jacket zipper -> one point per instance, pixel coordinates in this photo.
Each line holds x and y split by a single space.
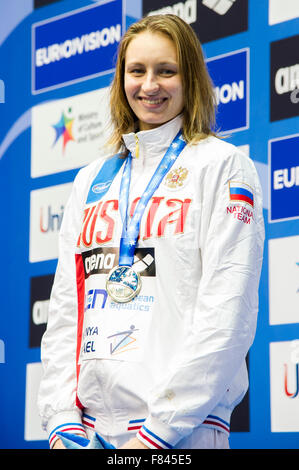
137 146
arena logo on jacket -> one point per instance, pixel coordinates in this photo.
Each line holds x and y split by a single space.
241 198
102 260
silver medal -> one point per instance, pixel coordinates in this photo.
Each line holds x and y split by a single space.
123 284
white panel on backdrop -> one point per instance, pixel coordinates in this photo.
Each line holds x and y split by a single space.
284 280
262 171
285 10
46 213
2 352
69 133
284 366
33 429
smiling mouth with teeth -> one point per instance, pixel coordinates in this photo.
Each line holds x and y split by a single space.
156 101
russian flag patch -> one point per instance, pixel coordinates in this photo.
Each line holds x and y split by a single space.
240 192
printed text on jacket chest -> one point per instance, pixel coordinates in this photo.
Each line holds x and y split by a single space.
162 215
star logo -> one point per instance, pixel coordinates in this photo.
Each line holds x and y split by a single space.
63 129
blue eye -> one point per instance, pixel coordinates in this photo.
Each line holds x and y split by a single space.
136 70
167 72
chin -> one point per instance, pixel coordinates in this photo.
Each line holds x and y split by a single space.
146 124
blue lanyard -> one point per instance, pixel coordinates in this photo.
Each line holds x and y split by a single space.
130 230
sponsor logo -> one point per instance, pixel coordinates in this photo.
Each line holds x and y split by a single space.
101 187
40 291
284 385
90 332
284 178
123 341
229 92
282 11
230 75
68 133
95 298
63 129
40 312
186 10
102 260
50 221
284 97
283 280
286 79
295 372
219 6
295 96
78 45
46 214
211 19
75 46
142 303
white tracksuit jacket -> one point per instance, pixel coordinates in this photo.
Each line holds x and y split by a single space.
172 360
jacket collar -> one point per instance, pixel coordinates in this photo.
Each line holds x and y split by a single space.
153 142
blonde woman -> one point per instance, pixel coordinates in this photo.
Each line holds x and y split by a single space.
155 299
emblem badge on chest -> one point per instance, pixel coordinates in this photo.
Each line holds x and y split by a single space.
176 178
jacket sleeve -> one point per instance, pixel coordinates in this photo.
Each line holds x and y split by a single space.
224 321
57 392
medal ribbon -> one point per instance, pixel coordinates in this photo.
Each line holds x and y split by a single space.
131 228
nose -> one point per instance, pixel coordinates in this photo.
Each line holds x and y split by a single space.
150 84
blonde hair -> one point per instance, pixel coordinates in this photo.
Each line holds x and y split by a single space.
199 99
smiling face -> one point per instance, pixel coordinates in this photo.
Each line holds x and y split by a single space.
152 79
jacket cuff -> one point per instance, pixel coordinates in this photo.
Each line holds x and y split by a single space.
157 435
66 421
